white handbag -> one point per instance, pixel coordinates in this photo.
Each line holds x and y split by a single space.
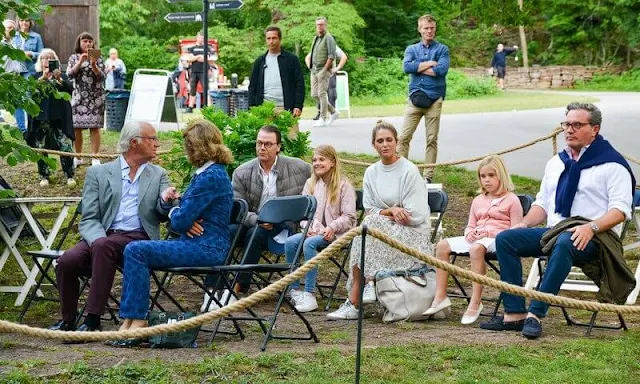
405 295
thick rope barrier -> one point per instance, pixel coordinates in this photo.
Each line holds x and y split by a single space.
278 286
552 135
83 154
631 159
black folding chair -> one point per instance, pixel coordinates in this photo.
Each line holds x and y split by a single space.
335 259
195 275
438 202
490 258
50 256
276 211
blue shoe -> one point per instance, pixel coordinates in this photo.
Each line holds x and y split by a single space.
532 328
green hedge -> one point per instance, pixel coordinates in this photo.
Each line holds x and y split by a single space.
626 81
383 81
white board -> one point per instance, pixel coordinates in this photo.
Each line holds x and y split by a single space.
150 92
342 92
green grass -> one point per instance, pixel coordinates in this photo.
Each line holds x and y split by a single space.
626 81
504 101
577 361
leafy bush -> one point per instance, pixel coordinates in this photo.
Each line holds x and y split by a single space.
142 52
626 81
461 86
240 137
384 81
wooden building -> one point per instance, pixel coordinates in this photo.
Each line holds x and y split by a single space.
65 21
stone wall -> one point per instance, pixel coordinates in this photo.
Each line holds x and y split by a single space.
544 77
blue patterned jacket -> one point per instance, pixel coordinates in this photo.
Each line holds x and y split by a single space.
208 197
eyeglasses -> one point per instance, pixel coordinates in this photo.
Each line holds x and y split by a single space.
152 138
265 144
575 125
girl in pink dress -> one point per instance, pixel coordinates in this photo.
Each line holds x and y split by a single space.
495 209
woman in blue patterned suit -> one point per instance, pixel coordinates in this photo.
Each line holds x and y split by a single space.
202 219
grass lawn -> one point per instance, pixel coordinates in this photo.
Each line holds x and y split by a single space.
393 353
504 101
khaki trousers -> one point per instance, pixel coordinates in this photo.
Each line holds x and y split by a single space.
319 87
412 116
295 128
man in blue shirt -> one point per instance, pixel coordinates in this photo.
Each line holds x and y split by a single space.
427 63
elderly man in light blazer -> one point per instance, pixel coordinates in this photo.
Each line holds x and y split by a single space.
122 201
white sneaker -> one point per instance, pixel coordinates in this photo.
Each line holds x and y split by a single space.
306 302
346 312
44 182
95 162
77 162
71 182
333 117
369 294
226 295
320 123
212 306
294 294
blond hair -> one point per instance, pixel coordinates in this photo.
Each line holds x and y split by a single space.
427 19
496 162
44 53
335 175
203 142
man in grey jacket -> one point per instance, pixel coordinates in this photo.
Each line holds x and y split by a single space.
257 181
122 201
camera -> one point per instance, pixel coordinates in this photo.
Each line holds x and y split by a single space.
53 65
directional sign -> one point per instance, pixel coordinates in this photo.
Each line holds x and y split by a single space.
226 5
183 17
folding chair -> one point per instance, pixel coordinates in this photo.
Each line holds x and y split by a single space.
276 211
238 213
50 257
438 202
490 258
345 251
582 283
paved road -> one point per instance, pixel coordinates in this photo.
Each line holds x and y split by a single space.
474 134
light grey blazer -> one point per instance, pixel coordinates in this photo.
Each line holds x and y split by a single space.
101 199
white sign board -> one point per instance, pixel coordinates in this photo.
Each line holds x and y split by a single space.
342 92
149 93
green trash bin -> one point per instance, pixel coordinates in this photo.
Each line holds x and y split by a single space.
116 104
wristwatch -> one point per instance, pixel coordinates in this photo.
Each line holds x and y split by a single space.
594 227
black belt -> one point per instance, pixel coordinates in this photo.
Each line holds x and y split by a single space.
112 231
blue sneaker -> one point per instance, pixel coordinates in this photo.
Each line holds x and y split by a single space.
532 328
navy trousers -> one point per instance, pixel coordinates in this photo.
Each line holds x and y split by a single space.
513 244
142 256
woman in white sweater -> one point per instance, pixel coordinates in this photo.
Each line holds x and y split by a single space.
396 202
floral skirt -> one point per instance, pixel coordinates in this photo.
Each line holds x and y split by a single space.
381 256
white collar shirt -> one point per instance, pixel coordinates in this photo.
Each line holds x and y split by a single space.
269 186
600 189
127 218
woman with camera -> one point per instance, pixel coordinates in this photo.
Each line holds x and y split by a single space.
86 68
53 127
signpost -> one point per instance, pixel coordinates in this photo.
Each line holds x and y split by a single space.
186 17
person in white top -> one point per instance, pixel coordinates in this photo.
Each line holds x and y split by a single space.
116 71
588 178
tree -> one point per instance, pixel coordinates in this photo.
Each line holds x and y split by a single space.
17 92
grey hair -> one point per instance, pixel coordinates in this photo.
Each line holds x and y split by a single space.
321 18
595 116
128 132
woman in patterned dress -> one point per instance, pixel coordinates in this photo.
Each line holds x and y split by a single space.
87 101
396 202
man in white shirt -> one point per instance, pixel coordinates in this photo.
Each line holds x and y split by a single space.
588 178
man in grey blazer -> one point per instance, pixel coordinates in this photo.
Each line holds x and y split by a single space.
269 175
122 201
